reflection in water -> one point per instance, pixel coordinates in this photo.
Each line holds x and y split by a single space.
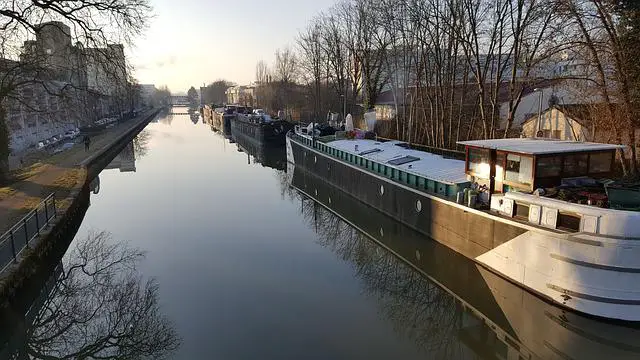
94 185
141 143
451 307
125 161
274 157
96 306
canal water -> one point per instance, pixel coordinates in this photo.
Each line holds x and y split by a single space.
248 258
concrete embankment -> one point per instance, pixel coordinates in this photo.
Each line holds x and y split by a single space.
23 281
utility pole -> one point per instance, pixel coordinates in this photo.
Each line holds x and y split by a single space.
539 131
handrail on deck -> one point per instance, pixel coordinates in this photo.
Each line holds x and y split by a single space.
18 237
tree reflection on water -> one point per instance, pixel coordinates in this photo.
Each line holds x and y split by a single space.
99 307
418 308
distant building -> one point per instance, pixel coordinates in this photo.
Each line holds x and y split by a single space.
562 122
241 94
76 86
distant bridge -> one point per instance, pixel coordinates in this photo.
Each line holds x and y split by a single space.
179 100
182 113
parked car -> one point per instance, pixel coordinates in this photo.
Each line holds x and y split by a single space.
64 147
71 134
41 145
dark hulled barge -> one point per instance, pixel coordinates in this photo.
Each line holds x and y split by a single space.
261 128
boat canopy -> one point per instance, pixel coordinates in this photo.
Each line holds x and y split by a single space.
536 146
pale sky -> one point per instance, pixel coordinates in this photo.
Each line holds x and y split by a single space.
191 42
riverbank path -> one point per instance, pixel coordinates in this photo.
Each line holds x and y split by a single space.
44 173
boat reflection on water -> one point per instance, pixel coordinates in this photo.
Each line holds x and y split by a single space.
274 157
449 305
95 305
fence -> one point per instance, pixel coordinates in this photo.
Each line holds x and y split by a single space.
24 231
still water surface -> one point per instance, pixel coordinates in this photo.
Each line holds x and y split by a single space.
262 261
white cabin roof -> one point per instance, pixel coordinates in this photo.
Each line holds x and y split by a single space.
431 166
539 145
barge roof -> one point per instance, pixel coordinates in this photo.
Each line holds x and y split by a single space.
536 146
428 165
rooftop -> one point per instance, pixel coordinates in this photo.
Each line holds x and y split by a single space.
431 166
539 145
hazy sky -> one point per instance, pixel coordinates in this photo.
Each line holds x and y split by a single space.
191 42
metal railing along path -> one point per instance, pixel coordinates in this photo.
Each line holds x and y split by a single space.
24 231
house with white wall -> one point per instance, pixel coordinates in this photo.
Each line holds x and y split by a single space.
562 122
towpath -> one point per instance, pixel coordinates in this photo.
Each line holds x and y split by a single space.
44 173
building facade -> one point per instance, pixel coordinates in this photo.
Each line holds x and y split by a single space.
559 122
68 86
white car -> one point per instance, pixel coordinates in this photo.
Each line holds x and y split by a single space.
70 134
258 111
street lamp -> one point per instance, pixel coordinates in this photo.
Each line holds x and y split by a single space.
538 132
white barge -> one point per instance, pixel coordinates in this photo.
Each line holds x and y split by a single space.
566 244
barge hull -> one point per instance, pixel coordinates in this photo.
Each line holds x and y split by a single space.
597 277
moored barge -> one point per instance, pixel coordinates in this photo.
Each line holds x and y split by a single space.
582 255
261 128
499 315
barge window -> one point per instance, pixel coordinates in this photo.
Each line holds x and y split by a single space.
568 222
478 162
548 166
421 182
519 169
522 211
500 163
600 163
575 164
401 175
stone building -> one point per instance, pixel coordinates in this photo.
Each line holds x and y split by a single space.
67 86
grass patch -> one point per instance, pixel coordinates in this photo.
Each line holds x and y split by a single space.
69 179
6 192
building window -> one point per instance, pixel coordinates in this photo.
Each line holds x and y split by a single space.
519 169
600 163
478 162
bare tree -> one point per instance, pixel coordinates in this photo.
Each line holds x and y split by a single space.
91 27
285 67
262 72
312 61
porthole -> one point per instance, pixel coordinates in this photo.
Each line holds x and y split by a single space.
316 192
315 159
418 205
381 189
328 167
418 255
329 199
381 232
